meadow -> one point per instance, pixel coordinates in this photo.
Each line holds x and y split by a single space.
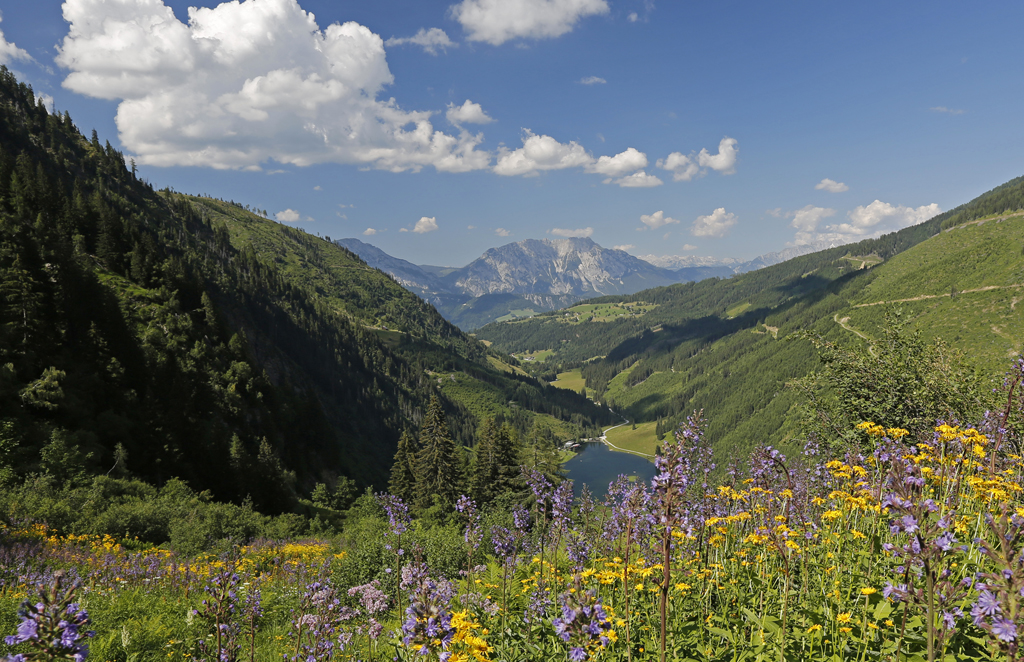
571 381
900 548
637 438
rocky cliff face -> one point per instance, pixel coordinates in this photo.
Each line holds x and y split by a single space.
558 268
535 274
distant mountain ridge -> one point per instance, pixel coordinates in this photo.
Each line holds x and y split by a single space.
536 275
739 348
528 276
734 265
545 271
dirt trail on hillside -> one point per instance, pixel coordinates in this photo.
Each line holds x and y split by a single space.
843 323
922 297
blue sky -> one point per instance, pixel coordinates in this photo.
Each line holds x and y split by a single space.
750 126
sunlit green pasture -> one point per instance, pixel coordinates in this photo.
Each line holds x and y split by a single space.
641 440
603 312
571 380
541 355
520 313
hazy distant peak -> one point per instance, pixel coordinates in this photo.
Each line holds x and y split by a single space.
682 261
676 262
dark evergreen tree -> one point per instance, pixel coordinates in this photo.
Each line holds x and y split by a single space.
484 469
403 471
437 463
507 453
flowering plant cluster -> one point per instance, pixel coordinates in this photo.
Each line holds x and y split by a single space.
899 549
54 627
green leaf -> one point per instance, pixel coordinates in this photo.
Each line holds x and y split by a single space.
725 634
882 610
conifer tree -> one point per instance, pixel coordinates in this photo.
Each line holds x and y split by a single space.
484 469
403 471
437 466
506 460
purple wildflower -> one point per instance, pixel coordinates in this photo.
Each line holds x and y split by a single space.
54 626
1004 629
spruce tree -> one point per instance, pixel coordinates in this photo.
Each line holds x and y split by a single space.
506 461
484 469
403 471
437 466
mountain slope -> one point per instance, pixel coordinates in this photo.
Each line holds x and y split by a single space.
726 346
549 271
408 275
165 335
525 277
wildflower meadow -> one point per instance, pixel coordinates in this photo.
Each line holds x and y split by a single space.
897 548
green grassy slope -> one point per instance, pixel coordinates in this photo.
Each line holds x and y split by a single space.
410 327
726 345
964 285
338 277
199 340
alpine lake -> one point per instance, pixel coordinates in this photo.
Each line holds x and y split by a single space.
595 465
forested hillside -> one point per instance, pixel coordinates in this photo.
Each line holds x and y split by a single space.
157 335
731 346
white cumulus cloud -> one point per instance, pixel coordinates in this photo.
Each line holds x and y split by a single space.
639 180
807 218
244 83
467 113
880 217
291 216
715 224
684 168
831 186
724 161
497 21
369 232
593 80
862 222
9 51
431 40
540 153
689 247
622 163
425 224
579 232
657 220
502 232
624 247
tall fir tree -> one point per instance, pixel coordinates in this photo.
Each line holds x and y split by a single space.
403 471
507 473
484 469
437 465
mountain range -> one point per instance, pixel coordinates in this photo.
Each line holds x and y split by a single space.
743 349
677 262
156 335
523 278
